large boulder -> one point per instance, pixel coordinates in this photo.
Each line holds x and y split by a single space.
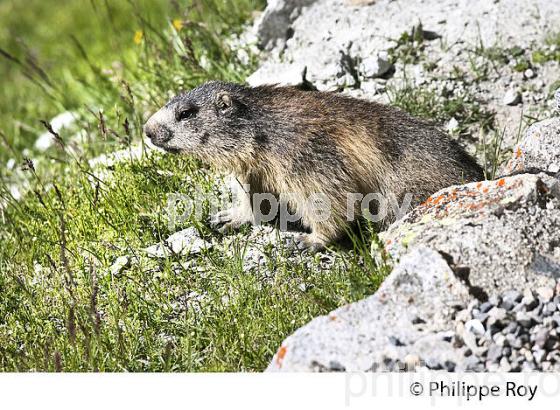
425 316
496 234
406 321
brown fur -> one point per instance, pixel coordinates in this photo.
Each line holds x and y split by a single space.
284 140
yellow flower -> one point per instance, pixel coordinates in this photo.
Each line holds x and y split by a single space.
138 36
178 24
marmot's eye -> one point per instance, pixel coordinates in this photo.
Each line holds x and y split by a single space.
186 114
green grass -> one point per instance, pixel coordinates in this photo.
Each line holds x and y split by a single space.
427 104
60 299
61 308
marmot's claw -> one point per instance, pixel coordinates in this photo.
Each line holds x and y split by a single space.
309 243
227 220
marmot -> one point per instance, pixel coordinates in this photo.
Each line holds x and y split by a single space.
284 140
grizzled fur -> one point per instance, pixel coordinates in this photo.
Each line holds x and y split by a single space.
285 140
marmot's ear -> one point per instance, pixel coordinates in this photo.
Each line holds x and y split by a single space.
223 101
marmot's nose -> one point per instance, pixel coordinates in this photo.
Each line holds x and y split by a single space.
149 131
157 133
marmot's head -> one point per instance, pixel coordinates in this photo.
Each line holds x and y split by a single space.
209 121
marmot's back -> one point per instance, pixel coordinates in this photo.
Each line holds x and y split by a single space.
383 148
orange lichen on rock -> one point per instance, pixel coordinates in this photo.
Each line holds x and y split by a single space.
427 201
280 355
501 182
438 199
475 207
518 153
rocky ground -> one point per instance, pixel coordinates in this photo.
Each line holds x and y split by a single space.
492 58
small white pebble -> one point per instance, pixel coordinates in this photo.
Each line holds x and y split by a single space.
512 97
529 73
452 125
475 326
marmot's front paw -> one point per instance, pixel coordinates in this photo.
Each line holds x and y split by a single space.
310 243
229 220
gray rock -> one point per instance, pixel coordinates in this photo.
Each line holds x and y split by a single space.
530 302
324 27
545 293
358 336
185 242
511 97
486 306
528 366
495 300
293 76
511 327
473 363
557 99
539 149
500 339
539 355
412 361
475 327
482 317
58 123
507 305
514 341
545 340
495 353
120 264
374 66
274 24
452 125
449 365
464 316
549 309
524 319
497 313
464 223
513 296
335 366
529 73
505 366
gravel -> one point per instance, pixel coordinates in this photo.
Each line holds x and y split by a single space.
528 341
